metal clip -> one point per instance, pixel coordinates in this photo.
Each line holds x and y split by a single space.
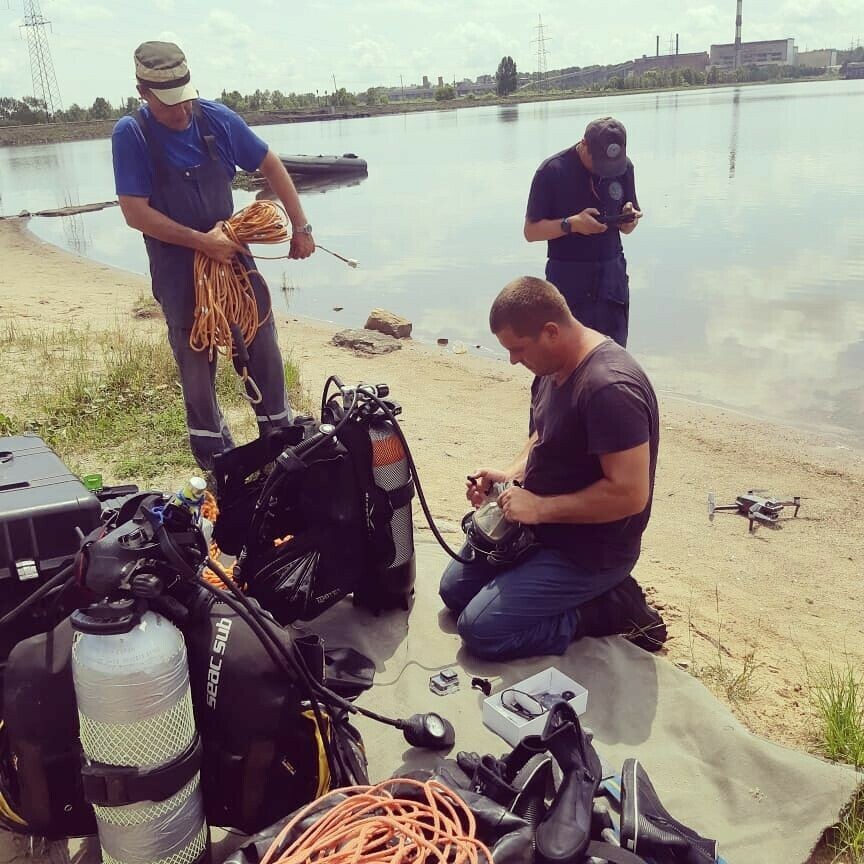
248 389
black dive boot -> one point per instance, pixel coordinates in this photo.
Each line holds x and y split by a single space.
623 610
565 832
648 829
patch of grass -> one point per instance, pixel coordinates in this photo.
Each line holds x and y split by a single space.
149 465
722 672
109 401
838 696
847 838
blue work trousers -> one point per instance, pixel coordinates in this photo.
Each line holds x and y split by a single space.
524 610
208 431
597 292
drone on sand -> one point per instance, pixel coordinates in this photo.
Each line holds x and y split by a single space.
757 507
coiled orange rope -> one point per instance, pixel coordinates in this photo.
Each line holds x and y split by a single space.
210 510
373 826
223 292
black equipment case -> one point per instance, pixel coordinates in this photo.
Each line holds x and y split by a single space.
41 505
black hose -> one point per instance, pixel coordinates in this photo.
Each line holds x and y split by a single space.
37 595
333 379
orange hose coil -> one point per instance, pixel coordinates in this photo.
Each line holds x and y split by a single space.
371 825
223 292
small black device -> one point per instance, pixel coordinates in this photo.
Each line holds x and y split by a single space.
529 706
616 219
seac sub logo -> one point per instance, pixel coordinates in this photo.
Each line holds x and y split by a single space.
220 644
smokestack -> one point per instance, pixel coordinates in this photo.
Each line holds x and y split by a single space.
676 43
658 45
738 36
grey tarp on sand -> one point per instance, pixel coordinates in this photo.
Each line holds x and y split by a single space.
763 802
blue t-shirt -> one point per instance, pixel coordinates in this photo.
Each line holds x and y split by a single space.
236 143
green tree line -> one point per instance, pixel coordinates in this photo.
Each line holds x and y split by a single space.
23 112
28 110
659 78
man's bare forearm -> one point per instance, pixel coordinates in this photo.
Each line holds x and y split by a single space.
281 183
142 217
603 501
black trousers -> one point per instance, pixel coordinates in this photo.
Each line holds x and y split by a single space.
597 292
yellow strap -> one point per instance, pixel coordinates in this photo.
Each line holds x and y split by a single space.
323 767
5 808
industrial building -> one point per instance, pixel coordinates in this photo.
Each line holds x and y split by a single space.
697 60
772 52
821 59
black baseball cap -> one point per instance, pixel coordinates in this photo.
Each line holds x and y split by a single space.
606 139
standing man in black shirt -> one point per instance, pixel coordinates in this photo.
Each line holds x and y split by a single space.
582 199
586 479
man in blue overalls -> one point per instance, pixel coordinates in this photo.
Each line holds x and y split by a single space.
174 160
578 200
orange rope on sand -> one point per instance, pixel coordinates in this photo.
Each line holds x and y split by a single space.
373 826
223 292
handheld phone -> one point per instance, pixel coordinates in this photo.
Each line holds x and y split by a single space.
617 219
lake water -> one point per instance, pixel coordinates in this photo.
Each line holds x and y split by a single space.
747 272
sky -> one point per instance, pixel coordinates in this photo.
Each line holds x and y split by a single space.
303 46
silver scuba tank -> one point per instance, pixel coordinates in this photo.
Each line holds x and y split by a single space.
142 753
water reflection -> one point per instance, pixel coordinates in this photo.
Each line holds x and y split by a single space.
733 144
74 227
313 183
508 113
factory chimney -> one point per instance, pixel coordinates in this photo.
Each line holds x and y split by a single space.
676 43
738 36
658 45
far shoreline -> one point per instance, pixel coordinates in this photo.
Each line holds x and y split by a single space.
91 130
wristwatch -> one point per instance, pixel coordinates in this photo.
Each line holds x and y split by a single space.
566 227
303 229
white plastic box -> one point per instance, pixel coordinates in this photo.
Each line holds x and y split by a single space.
513 728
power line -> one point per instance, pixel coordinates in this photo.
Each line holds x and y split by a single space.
41 64
542 54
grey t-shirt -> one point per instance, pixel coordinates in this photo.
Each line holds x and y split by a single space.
606 405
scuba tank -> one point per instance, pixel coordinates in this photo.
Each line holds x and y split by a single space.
365 420
142 754
393 573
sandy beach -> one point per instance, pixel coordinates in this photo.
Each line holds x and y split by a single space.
776 601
